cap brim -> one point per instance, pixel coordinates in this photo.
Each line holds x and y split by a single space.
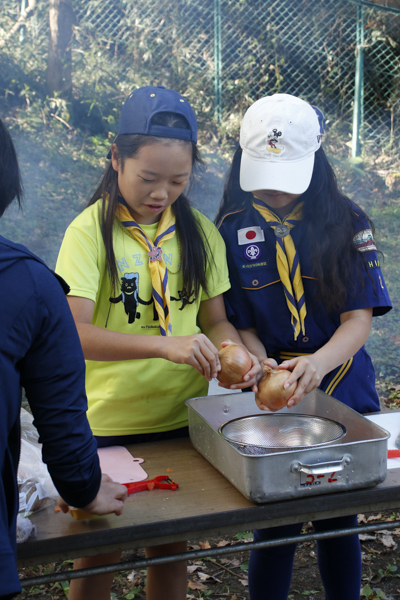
290 177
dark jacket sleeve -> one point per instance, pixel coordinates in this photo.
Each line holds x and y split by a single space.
53 375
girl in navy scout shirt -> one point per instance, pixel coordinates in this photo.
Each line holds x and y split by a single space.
306 283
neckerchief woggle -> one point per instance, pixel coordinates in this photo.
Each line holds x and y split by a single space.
157 266
287 260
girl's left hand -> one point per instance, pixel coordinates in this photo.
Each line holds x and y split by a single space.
308 371
250 379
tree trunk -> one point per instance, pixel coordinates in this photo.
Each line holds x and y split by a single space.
59 69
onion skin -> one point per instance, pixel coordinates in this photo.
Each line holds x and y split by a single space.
235 363
271 394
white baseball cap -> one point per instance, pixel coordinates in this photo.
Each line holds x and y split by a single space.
279 137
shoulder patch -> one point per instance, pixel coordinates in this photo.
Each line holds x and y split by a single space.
364 241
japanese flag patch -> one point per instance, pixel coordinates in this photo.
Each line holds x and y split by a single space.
250 235
364 241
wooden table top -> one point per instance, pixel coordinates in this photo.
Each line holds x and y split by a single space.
205 504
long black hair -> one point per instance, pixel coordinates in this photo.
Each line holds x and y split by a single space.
328 225
10 177
195 251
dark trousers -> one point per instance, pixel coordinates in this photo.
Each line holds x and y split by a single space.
339 562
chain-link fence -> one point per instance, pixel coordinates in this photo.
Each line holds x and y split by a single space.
342 55
226 53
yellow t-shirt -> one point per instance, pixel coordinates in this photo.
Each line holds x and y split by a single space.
144 395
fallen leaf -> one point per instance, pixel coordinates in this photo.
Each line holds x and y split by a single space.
375 517
365 536
365 557
362 519
193 568
196 585
223 543
205 545
204 577
244 582
193 546
235 562
234 597
388 541
384 532
131 576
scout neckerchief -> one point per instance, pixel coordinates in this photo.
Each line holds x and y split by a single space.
287 261
158 269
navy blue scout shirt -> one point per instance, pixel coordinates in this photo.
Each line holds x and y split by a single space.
40 350
256 299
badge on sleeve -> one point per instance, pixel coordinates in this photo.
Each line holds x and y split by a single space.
364 241
250 235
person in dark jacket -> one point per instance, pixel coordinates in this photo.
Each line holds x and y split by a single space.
40 351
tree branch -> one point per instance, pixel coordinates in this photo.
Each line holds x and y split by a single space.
28 12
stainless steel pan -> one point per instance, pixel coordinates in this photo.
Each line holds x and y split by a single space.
356 458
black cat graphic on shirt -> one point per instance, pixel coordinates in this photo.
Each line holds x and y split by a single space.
130 298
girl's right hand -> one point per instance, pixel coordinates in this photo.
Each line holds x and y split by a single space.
196 351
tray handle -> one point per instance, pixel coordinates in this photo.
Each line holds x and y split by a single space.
321 468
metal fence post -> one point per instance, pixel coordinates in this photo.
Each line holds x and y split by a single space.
217 61
358 107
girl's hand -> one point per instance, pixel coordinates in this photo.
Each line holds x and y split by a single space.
110 498
251 377
308 371
194 350
269 362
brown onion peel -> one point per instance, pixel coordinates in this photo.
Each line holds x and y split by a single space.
235 363
271 393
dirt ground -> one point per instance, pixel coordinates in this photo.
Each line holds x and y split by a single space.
226 577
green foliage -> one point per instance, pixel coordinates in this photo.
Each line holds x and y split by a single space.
372 593
64 586
244 535
133 593
245 566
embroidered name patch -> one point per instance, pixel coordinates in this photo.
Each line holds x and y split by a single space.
250 235
364 241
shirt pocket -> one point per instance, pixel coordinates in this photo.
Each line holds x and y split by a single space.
255 277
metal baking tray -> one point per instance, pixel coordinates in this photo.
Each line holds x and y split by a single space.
358 459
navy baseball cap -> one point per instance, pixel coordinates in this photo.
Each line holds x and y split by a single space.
145 102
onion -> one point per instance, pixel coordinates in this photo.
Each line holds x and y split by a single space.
235 363
271 393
